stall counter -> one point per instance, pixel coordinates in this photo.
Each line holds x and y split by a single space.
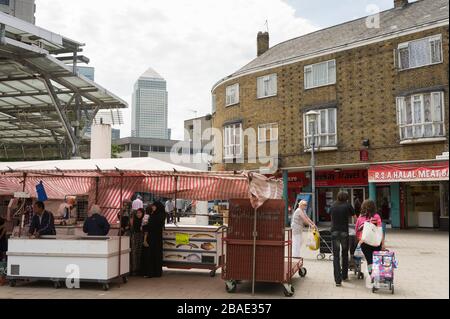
56 258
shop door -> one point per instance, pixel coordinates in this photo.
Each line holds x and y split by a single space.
358 197
384 202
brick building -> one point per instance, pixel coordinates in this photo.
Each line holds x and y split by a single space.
380 87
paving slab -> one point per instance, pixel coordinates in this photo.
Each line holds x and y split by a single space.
423 273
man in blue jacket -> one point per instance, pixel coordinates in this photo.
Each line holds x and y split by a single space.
96 224
43 222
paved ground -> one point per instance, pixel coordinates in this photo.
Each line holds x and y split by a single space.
423 273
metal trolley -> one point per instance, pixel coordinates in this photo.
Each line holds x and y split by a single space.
325 245
276 268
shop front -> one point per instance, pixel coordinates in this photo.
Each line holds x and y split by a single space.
418 193
296 184
328 184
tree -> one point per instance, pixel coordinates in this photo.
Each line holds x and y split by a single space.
116 150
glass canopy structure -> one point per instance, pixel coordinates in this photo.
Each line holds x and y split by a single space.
45 105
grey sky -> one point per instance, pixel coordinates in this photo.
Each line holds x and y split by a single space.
192 44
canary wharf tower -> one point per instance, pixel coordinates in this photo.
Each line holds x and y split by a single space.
149 106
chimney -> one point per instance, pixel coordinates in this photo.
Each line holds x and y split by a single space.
262 42
400 3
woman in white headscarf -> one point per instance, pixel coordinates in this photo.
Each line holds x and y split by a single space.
299 220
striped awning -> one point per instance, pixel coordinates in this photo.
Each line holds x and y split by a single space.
116 185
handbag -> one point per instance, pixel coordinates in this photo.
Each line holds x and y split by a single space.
41 194
312 241
316 241
358 252
372 235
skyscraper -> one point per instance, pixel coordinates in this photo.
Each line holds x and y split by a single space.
149 106
87 71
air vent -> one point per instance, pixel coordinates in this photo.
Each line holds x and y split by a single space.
15 270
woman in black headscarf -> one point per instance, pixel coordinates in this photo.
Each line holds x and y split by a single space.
153 240
137 238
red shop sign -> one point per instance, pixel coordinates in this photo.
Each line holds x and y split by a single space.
409 173
296 180
343 178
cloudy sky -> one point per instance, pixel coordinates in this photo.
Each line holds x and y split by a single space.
192 44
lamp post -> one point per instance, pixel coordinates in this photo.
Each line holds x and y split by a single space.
311 119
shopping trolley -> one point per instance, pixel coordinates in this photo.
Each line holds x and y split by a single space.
325 245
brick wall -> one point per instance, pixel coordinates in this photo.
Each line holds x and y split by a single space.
367 83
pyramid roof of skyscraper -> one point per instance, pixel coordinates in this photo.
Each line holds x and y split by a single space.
151 73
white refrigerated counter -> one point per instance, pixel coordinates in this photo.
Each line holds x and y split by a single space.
56 258
193 247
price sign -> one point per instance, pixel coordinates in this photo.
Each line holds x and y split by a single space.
182 239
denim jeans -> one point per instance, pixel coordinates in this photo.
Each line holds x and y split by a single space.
340 239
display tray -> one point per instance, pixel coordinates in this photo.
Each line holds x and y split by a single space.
193 236
189 257
209 246
185 265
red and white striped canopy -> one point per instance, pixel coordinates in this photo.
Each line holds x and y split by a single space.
120 179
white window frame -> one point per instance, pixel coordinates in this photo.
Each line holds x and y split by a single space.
401 120
233 146
318 135
229 100
311 67
406 45
262 134
260 88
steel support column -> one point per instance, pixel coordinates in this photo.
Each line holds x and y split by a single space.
62 115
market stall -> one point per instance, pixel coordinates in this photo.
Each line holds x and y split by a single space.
108 183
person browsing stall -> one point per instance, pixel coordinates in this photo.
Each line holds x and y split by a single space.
42 223
153 241
96 224
137 203
169 208
3 239
136 241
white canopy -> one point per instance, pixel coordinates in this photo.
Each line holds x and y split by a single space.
123 164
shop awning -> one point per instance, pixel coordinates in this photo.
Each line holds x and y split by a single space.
106 181
409 173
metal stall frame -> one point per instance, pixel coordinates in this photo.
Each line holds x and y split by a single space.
292 265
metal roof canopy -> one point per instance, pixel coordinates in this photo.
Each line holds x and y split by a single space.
41 98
